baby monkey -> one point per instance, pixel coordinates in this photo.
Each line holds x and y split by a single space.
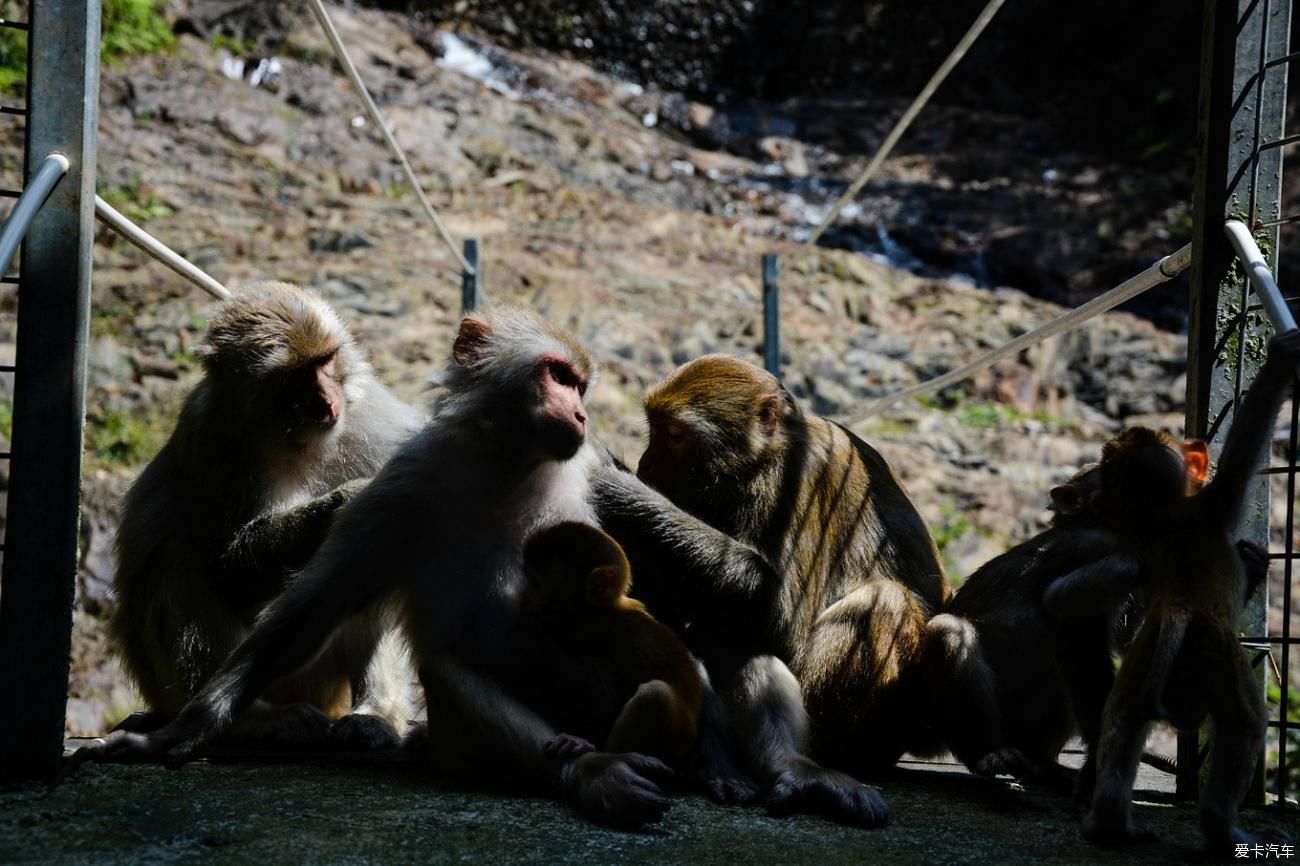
614 674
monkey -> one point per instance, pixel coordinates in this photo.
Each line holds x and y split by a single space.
1007 687
1185 663
810 616
1016 669
286 422
647 692
438 534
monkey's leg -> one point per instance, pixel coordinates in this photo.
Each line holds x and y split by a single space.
852 672
770 723
476 731
710 763
1133 701
963 688
1089 675
373 660
1239 718
653 722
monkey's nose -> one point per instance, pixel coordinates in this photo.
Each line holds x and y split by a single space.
580 416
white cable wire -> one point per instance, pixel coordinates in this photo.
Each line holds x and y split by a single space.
1162 271
377 119
908 116
158 250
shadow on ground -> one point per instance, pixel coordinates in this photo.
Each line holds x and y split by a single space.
318 812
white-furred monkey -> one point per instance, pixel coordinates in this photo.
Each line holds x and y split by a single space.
1186 662
268 445
628 682
439 532
817 592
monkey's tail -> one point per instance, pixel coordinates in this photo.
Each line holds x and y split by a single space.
1162 762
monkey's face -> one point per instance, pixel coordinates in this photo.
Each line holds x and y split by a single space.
559 416
309 399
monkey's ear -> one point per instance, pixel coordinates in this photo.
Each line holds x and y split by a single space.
1066 499
471 341
1196 454
769 410
604 586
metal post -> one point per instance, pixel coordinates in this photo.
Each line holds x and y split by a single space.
1233 178
771 316
40 563
471 281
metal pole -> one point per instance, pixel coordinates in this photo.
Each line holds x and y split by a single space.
470 280
40 563
771 316
1242 105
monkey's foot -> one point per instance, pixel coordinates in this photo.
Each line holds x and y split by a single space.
808 788
622 791
730 789
1006 762
1113 828
295 726
566 747
364 732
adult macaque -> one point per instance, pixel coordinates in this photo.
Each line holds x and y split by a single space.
1186 662
439 532
268 445
820 577
1008 684
630 684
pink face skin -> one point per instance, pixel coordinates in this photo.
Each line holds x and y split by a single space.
562 419
329 391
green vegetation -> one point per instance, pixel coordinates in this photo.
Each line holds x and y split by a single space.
128 27
133 27
136 200
235 46
123 438
7 418
951 527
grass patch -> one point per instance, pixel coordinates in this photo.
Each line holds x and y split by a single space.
127 28
137 201
131 27
123 439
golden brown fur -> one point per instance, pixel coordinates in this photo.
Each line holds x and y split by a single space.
578 579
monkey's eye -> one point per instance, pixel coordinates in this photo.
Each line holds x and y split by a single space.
675 433
563 374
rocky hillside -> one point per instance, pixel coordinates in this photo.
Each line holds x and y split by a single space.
635 216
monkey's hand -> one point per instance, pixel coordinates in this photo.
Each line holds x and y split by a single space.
563 748
624 791
1284 351
806 787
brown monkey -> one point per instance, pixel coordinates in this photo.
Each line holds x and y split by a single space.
439 532
649 694
821 588
1185 663
267 446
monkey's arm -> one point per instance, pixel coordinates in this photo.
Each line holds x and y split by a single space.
265 551
1098 587
704 568
1252 428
